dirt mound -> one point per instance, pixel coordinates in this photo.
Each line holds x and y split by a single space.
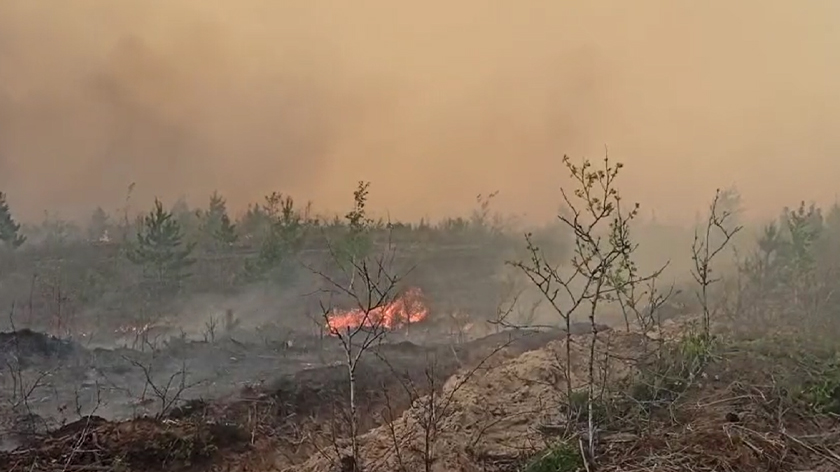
26 343
390 366
490 416
141 445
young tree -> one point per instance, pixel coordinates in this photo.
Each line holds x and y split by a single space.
709 241
283 231
187 218
161 251
357 243
253 223
600 269
368 282
9 229
216 229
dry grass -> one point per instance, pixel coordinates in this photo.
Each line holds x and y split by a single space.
739 427
765 405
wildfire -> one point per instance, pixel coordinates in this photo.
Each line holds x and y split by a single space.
405 310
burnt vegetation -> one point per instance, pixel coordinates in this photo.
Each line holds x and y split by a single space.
182 339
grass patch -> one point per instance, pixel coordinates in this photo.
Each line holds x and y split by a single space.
672 370
562 457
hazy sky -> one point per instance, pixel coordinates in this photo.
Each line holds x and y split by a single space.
432 101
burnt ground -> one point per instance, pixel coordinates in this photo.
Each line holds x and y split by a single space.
185 403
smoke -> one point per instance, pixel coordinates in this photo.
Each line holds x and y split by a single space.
434 101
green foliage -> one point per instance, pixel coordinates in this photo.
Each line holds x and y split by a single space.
187 219
578 406
674 368
9 229
824 396
161 251
806 369
253 223
694 351
282 228
598 258
563 457
357 218
357 242
821 388
600 270
215 227
804 229
786 251
784 271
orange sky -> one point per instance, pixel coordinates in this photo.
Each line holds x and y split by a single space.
432 101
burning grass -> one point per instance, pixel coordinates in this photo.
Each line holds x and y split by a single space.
407 309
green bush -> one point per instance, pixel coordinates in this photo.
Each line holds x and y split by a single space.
560 458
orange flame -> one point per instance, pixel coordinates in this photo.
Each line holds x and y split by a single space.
405 310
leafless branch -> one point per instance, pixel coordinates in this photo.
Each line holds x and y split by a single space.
704 251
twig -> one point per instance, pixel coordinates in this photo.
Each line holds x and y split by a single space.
583 455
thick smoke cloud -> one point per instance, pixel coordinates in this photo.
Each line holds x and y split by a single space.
432 101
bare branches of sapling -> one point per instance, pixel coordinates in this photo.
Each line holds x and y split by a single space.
168 392
509 306
600 269
709 241
210 329
368 283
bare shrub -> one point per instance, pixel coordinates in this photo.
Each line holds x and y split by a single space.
166 393
210 327
22 383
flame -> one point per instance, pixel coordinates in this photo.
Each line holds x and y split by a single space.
126 329
405 310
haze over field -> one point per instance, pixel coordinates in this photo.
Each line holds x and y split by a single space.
432 101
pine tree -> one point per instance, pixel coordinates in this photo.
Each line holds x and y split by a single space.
9 229
252 225
217 230
99 224
161 251
282 236
188 219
